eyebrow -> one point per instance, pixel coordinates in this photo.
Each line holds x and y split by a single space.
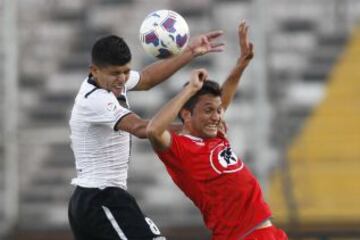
211 105
119 71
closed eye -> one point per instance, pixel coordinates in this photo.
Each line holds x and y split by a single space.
208 110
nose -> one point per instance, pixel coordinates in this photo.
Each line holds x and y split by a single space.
216 116
121 78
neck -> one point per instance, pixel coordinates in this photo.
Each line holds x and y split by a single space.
186 131
189 135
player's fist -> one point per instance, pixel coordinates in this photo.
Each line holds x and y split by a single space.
197 79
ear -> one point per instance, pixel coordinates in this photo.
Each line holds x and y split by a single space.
94 69
185 115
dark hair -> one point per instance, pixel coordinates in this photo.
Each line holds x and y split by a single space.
209 87
110 50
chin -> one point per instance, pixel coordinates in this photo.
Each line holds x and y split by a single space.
210 134
117 93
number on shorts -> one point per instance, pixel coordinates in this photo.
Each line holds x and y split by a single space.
152 226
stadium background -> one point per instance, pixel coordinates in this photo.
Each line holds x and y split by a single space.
295 119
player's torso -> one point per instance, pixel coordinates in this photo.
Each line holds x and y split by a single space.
209 159
101 153
220 184
212 173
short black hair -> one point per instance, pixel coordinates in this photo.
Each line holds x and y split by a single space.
209 87
109 51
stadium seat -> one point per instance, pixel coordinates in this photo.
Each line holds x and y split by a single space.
323 158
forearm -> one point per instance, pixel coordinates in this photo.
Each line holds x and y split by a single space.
159 71
175 127
141 130
231 83
133 124
162 120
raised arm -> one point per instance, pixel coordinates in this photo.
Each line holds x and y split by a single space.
157 132
136 126
159 71
231 83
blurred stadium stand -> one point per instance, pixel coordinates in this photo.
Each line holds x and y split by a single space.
313 89
2 180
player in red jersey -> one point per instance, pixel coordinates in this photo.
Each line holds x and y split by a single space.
200 159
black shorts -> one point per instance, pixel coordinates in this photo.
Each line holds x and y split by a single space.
109 214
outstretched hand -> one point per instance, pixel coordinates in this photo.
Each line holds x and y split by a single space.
205 43
246 47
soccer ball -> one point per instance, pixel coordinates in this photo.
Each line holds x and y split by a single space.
164 33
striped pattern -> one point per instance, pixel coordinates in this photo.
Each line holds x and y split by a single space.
113 222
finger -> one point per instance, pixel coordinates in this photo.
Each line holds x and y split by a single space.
205 40
250 53
243 35
206 74
202 72
246 36
201 75
247 27
251 46
241 26
214 34
216 45
246 30
243 31
217 49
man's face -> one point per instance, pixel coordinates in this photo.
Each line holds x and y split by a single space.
206 117
111 78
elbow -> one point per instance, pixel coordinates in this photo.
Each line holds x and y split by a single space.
141 135
152 132
139 131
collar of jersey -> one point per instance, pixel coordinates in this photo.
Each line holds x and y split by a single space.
92 81
198 139
122 97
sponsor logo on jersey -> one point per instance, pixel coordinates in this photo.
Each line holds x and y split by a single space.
224 160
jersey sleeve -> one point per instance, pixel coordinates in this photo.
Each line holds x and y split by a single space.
175 153
105 109
133 80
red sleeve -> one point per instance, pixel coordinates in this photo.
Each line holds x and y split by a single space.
174 155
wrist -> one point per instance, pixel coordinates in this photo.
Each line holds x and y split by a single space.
191 50
190 90
242 63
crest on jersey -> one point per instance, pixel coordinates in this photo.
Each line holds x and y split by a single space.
224 160
111 107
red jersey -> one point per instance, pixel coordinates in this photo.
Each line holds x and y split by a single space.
217 181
